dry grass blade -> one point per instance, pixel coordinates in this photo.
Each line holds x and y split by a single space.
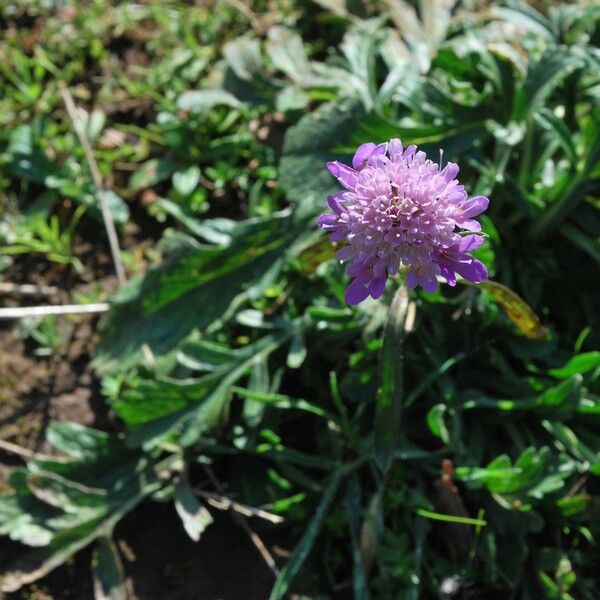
93 166
21 312
225 503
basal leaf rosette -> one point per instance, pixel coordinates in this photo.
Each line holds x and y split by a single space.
400 209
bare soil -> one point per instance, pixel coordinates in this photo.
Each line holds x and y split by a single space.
159 559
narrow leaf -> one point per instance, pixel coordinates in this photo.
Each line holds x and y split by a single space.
302 550
354 516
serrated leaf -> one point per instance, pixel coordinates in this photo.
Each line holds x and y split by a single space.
190 407
40 562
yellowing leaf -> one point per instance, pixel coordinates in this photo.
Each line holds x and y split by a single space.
311 257
517 310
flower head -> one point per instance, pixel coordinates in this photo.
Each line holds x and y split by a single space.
400 208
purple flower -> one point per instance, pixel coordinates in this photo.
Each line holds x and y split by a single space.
400 208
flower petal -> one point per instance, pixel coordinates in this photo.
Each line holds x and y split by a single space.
356 269
343 173
411 279
473 270
357 291
345 253
474 206
450 171
362 155
327 221
470 225
377 286
395 148
447 272
428 282
334 205
470 243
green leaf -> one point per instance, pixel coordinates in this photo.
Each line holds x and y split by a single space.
354 516
567 440
109 579
525 16
73 512
558 127
307 148
562 399
214 231
116 205
297 352
286 51
78 441
203 100
579 364
40 562
185 181
390 393
194 516
152 172
427 514
543 77
190 407
302 550
24 519
436 424
535 473
243 56
284 402
198 285
70 496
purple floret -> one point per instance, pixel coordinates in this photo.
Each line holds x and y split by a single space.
399 208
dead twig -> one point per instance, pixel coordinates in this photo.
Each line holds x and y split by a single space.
26 289
97 178
17 450
258 543
21 312
225 503
24 453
